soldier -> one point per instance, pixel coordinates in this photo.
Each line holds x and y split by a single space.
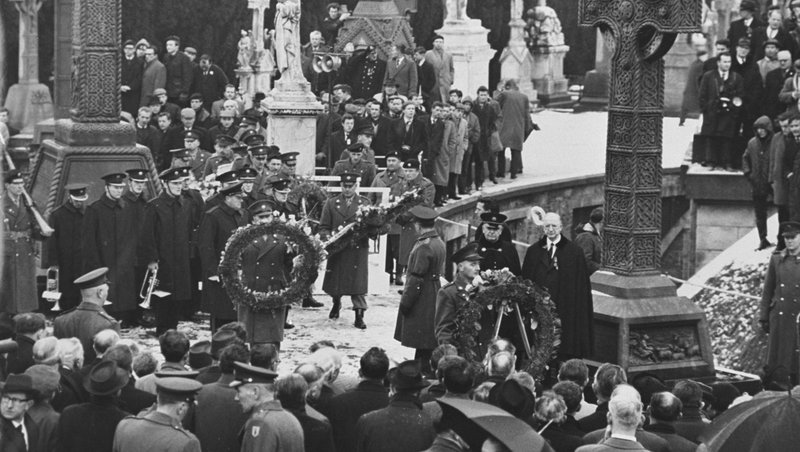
166 248
266 266
274 166
18 288
497 253
289 166
224 159
418 303
269 427
352 163
194 197
226 180
108 227
89 318
63 251
215 229
161 429
346 272
408 236
364 136
136 200
455 294
279 194
388 178
248 176
191 139
182 158
257 160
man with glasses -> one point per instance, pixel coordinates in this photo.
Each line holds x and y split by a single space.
18 430
560 266
89 318
773 83
154 75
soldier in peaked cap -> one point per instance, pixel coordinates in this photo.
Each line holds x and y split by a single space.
89 317
280 186
108 228
248 177
496 252
216 227
256 159
161 429
226 180
412 180
454 294
136 200
353 162
166 248
224 159
191 140
63 251
289 166
415 319
392 175
269 427
346 272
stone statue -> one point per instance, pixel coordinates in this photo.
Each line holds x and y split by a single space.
456 10
287 39
245 50
544 27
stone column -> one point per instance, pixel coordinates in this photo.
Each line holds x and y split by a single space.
292 107
466 40
516 61
548 49
28 101
93 141
263 66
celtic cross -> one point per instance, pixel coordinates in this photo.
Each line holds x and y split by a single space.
640 33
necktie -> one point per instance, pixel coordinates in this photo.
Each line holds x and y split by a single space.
408 125
550 250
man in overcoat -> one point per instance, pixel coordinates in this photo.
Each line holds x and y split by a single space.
560 266
408 133
516 125
442 142
166 248
63 251
415 319
180 72
442 62
781 165
401 71
131 69
496 252
780 304
108 228
216 228
482 152
346 272
393 174
719 90
413 180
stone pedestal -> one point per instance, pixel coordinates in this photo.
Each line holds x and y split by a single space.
642 324
676 71
292 122
467 41
28 103
517 63
548 76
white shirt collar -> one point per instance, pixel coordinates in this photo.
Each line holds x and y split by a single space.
625 437
553 242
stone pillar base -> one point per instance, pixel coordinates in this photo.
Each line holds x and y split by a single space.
292 124
548 75
28 103
516 63
641 324
467 42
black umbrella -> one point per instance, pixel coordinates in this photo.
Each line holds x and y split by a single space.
768 422
515 434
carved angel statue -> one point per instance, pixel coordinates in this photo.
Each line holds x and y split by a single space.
456 10
287 39
245 50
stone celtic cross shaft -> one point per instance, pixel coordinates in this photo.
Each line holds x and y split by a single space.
640 33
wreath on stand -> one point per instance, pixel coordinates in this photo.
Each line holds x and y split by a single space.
500 289
303 275
309 197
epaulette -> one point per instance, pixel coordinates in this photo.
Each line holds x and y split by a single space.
106 316
212 209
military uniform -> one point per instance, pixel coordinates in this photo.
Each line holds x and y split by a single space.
271 428
498 255
363 168
408 235
64 251
151 432
83 322
388 178
198 207
780 305
18 286
198 163
346 271
216 160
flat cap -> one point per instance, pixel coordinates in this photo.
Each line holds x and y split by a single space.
245 373
94 278
159 91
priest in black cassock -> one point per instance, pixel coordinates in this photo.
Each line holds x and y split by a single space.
560 266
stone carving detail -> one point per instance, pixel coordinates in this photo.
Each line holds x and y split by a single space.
543 27
456 10
636 100
656 345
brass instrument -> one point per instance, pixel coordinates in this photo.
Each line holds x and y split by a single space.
148 289
51 292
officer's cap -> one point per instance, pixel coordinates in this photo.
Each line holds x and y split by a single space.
181 153
77 191
191 135
355 147
790 228
411 164
171 174
493 220
115 178
349 178
180 387
251 138
13 175
137 175
262 206
94 278
228 177
289 156
423 213
279 183
247 174
468 253
232 190
259 149
392 154
245 373
224 140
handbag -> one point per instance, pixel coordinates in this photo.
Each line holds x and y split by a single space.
495 145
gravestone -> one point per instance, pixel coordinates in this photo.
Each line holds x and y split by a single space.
595 82
640 322
92 142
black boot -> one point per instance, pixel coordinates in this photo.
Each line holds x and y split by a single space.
310 302
337 304
287 325
359 323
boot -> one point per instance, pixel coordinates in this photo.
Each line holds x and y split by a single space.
359 323
398 277
337 304
287 325
310 302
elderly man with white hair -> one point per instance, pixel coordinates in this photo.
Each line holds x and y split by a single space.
624 418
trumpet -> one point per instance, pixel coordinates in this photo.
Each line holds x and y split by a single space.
148 286
51 292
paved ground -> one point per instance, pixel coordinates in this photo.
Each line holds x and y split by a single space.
568 145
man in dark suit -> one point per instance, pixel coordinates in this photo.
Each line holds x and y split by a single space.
381 126
318 80
426 75
607 377
291 391
131 72
63 251
663 411
28 328
179 72
773 83
719 90
743 27
400 70
745 65
17 428
773 30
210 81
408 133
340 140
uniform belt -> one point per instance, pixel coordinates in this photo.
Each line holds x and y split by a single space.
16 235
433 277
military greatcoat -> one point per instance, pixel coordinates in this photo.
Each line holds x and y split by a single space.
364 168
18 286
84 322
108 226
216 228
415 327
266 266
153 431
408 235
498 255
64 251
270 427
346 271
780 305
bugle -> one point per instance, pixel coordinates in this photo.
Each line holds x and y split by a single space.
148 286
51 292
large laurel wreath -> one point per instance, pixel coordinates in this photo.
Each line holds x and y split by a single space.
309 197
303 275
537 308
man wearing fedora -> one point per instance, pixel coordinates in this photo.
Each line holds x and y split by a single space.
17 429
269 427
89 427
161 428
403 425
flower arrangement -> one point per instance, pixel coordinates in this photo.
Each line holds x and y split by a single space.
304 273
493 291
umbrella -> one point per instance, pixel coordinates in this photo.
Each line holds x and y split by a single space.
768 422
515 434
